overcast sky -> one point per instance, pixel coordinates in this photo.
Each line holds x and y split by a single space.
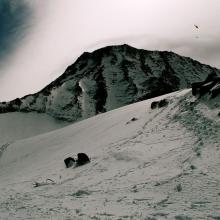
40 38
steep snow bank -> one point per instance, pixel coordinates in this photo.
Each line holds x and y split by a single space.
164 165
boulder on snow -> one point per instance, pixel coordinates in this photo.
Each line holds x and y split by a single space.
163 103
69 162
154 105
132 120
159 104
82 159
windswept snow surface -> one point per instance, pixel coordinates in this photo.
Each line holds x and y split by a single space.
164 165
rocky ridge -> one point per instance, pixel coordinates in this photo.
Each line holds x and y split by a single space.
109 78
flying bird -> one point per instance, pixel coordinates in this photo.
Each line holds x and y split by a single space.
196 26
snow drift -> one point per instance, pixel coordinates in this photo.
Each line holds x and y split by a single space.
163 165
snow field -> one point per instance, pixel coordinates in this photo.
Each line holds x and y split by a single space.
164 165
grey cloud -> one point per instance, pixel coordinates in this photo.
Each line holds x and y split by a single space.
14 15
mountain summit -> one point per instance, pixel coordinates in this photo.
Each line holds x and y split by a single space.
109 78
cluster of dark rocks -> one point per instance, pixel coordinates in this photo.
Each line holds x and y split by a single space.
82 159
159 104
211 86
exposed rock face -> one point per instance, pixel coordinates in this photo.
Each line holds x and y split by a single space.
109 78
209 86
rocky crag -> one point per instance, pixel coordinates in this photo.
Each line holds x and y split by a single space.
109 78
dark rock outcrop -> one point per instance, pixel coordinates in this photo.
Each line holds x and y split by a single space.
210 85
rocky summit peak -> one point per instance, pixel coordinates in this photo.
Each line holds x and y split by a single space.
109 78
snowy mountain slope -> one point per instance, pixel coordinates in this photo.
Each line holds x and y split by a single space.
18 125
164 165
109 78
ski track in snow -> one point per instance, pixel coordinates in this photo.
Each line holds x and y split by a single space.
168 169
